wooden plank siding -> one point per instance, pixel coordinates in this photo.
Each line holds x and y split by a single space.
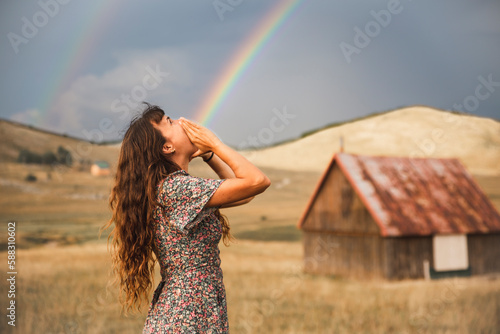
366 256
394 258
405 256
339 209
357 256
484 253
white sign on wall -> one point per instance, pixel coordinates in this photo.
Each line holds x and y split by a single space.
450 252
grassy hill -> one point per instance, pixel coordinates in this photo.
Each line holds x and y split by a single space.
15 137
416 131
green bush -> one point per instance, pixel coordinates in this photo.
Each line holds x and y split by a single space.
62 156
30 178
28 157
49 158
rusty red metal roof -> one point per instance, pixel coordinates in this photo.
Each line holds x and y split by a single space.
416 196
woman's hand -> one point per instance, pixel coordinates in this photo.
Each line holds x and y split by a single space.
200 136
245 181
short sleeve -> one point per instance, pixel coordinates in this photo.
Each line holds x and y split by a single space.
184 198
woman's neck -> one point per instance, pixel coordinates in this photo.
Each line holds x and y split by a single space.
181 161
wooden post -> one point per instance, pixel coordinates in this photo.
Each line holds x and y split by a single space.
427 270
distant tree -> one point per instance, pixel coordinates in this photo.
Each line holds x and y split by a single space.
49 158
23 156
64 156
28 157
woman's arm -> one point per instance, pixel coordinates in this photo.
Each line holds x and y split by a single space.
219 166
248 180
224 172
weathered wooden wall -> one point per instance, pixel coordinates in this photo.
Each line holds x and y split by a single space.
339 209
366 256
405 256
357 256
484 253
340 236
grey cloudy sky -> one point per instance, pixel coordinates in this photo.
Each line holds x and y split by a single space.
67 65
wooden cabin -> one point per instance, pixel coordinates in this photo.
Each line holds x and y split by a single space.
397 218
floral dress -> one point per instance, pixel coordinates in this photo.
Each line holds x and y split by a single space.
191 297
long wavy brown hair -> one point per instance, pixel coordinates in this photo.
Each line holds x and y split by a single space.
141 166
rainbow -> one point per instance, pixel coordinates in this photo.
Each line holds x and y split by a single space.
87 36
243 58
100 15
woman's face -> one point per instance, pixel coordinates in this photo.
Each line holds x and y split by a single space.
176 137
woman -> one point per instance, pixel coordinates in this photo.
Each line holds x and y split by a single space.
158 208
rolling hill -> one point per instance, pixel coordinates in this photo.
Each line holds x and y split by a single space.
15 137
416 131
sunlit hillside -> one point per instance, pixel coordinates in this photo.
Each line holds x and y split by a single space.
15 137
416 131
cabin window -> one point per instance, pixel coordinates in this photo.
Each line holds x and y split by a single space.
450 252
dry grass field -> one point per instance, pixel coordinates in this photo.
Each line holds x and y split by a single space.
63 290
63 268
